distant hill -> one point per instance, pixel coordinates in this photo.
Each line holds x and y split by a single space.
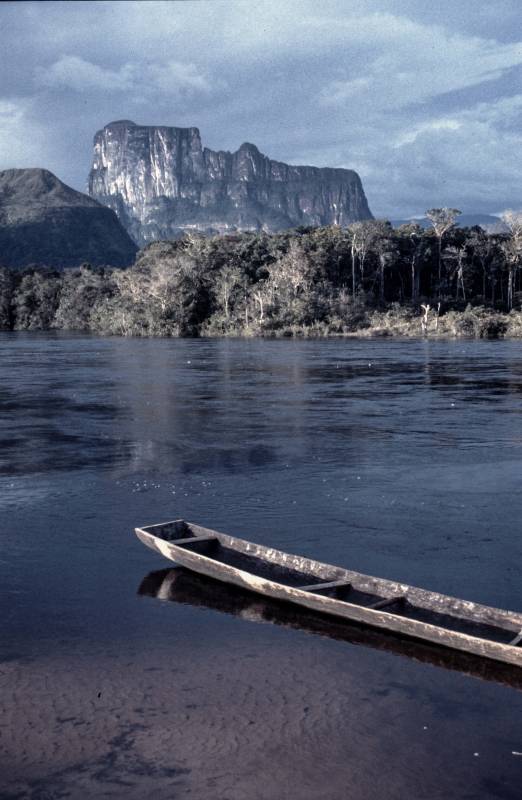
46 223
490 223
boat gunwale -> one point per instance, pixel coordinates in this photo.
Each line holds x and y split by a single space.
200 562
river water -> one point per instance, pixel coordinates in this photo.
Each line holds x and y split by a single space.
120 677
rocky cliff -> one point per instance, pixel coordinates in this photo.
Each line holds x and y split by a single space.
45 222
162 181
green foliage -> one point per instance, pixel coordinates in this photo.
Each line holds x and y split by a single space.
478 323
366 278
6 298
35 300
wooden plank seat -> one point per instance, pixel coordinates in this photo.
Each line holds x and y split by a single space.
387 601
193 540
318 587
516 641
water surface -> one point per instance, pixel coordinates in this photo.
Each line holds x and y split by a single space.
401 459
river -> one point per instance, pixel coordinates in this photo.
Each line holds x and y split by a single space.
119 677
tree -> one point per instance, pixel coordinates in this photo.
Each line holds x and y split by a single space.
442 220
362 235
292 274
457 256
226 285
6 296
384 246
35 300
482 247
82 290
167 289
512 248
413 234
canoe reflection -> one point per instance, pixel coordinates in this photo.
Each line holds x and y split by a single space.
179 585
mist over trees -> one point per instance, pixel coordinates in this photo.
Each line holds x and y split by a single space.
307 281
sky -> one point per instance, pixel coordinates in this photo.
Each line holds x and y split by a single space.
422 99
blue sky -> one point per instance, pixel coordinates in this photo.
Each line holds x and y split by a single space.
423 99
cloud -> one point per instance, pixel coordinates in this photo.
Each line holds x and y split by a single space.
23 140
73 72
469 160
176 76
338 92
411 135
421 99
78 74
408 62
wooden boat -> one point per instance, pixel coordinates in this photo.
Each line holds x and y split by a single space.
458 624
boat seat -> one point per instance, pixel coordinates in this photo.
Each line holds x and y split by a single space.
193 540
517 640
318 587
387 601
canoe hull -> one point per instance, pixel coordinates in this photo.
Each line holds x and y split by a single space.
186 556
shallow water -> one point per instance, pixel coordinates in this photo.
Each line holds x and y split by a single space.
400 459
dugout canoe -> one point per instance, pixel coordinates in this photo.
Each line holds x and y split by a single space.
407 610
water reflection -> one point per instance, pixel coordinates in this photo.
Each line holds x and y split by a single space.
229 406
47 429
179 585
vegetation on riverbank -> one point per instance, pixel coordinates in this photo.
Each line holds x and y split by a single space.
367 279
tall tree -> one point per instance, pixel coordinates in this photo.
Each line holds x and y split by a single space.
456 256
383 245
362 236
413 234
442 219
511 248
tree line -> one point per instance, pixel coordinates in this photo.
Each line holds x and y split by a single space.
324 280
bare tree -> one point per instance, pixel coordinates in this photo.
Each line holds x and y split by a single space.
362 236
227 283
456 256
259 294
425 318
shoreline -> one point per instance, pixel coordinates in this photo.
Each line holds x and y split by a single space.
398 323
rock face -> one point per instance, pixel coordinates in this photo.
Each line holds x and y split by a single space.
46 223
161 182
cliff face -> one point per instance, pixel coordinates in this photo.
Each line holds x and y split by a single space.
161 181
45 222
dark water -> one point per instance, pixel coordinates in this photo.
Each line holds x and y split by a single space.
401 459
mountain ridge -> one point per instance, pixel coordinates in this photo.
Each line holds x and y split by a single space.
45 222
489 222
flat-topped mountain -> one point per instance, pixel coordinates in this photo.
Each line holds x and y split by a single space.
45 222
161 181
